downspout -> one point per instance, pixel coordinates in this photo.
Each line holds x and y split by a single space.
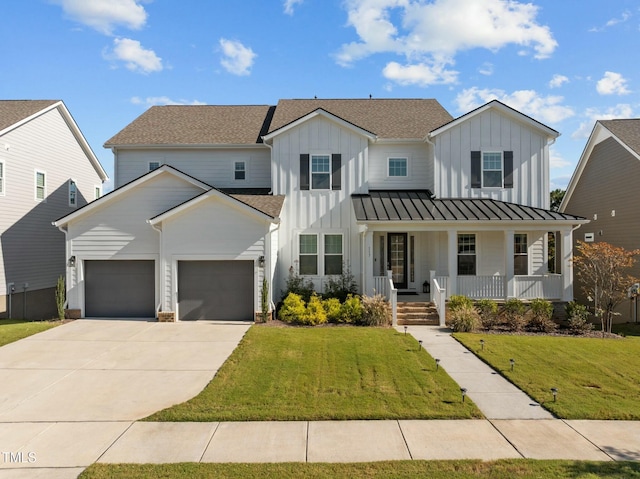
66 263
161 265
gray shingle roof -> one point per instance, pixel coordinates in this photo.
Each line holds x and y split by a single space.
13 111
386 118
627 131
196 125
421 206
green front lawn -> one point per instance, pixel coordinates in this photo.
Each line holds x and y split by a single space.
507 469
596 378
13 329
286 374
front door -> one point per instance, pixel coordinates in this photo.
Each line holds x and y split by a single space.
397 255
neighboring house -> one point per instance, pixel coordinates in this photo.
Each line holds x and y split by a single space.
604 189
210 200
47 169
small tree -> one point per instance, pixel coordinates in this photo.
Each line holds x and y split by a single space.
60 297
603 271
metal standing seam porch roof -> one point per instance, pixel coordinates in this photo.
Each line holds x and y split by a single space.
420 205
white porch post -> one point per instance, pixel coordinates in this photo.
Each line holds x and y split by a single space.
452 236
567 267
367 257
508 264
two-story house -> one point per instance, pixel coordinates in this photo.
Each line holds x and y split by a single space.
47 170
210 200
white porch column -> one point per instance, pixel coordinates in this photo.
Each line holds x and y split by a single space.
567 267
367 257
452 236
508 264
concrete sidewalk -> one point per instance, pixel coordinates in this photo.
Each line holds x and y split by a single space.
496 397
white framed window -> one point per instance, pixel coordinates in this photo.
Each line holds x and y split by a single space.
154 165
41 185
97 192
320 172
239 170
521 256
308 254
333 258
466 254
397 167
2 178
492 167
73 193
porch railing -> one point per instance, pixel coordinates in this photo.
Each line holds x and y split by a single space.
478 287
381 285
384 285
547 286
439 296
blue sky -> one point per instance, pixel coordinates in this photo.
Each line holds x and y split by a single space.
565 63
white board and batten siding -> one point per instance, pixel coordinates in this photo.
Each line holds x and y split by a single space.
208 231
320 211
32 250
119 230
214 166
493 131
419 166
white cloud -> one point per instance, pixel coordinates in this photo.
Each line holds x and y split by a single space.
418 30
614 21
557 81
237 59
621 110
290 4
105 15
556 161
612 84
486 69
136 58
162 100
421 74
560 182
547 109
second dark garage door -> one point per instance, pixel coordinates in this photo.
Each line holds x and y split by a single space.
215 290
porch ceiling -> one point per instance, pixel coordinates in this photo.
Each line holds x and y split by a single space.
419 205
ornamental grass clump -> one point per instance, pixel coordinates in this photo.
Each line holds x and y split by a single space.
375 311
488 311
512 314
464 319
541 311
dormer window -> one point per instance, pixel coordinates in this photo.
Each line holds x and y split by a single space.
154 165
73 193
397 167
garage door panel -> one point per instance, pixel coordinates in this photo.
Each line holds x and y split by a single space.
119 289
220 290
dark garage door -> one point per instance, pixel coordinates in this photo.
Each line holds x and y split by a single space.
215 290
119 289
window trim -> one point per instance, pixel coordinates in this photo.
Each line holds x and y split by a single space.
483 169
149 169
525 254
3 177
325 254
406 166
328 173
97 192
475 253
73 182
236 170
44 187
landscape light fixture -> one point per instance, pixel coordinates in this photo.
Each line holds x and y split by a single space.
419 344
555 393
437 364
405 330
482 344
463 391
513 362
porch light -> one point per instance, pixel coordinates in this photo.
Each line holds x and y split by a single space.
437 364
482 344
426 287
72 262
261 261
463 391
555 393
513 362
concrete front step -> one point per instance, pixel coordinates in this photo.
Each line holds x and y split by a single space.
418 322
417 313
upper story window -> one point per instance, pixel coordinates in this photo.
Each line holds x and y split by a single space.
2 178
321 171
240 170
466 254
492 169
97 192
154 165
41 186
73 193
521 257
397 167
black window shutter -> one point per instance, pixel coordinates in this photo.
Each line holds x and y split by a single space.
304 171
336 171
476 169
508 169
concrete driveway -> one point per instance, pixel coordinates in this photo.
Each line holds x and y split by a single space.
69 392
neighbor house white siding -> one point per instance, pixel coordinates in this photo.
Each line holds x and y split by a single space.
493 131
32 251
214 166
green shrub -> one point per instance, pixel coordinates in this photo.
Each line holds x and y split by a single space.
351 310
512 314
340 286
464 319
458 301
541 311
293 310
298 285
375 311
488 311
578 317
332 308
315 313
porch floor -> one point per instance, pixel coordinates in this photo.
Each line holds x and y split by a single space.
407 296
